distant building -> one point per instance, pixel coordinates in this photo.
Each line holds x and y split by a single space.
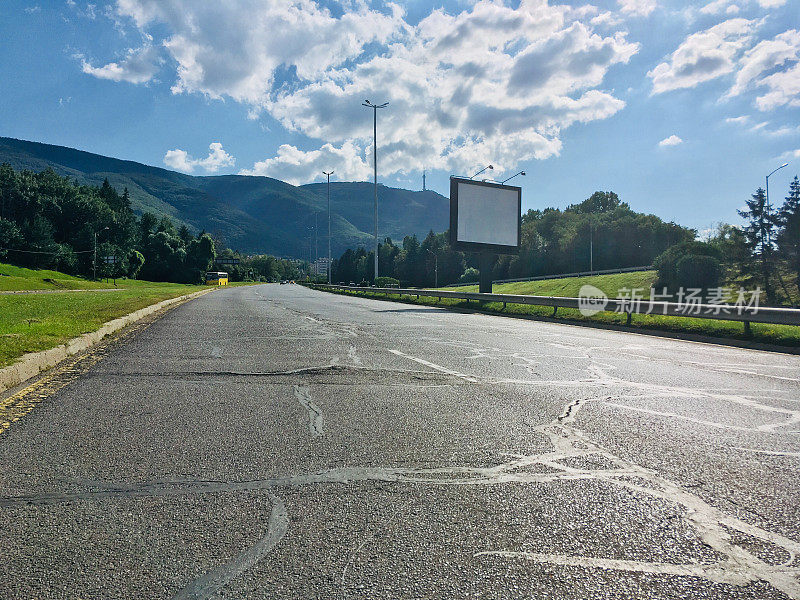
320 266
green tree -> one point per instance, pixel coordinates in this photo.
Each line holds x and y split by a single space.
10 237
135 262
760 236
789 235
200 254
732 246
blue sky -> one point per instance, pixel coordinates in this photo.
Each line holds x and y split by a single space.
680 108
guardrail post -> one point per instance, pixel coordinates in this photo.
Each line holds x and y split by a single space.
555 310
628 319
747 331
504 305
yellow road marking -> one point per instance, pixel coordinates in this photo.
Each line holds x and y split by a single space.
19 404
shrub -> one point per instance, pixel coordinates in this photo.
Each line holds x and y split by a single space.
671 277
386 281
470 274
699 271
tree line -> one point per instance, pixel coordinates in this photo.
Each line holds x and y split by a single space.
603 232
50 221
599 233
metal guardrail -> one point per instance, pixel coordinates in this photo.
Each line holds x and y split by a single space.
561 275
723 312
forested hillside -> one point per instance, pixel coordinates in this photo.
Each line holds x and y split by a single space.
50 221
250 214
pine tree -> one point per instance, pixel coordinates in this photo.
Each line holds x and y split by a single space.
789 234
760 235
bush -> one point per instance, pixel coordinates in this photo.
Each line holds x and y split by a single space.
470 275
386 281
672 278
699 271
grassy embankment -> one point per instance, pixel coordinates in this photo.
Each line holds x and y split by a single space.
783 335
34 322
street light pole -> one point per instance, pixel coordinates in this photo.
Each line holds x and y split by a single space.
329 223
769 240
375 108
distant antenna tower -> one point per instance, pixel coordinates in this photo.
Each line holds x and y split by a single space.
423 181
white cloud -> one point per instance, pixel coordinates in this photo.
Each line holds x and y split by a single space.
703 56
781 131
216 159
739 120
763 127
639 8
235 48
789 155
771 3
139 66
770 56
672 140
297 166
720 6
489 83
33 9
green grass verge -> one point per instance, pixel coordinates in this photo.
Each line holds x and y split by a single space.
781 335
570 286
17 278
34 322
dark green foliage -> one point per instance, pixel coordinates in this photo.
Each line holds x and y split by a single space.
699 271
553 241
789 234
684 264
10 237
759 234
471 274
135 262
732 247
52 222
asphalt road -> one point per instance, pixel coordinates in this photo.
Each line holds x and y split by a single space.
278 442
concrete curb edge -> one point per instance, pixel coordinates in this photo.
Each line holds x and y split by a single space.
32 364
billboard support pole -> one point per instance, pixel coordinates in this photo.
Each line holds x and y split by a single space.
486 261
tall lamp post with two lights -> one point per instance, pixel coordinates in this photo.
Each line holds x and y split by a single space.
375 108
329 223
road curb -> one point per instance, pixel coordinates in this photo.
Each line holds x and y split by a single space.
32 364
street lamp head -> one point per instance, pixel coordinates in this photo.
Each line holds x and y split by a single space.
784 165
491 167
523 173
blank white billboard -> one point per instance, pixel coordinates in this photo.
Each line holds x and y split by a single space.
487 214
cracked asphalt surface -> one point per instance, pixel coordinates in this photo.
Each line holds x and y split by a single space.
279 442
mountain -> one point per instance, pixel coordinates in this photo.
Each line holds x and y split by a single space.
250 214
